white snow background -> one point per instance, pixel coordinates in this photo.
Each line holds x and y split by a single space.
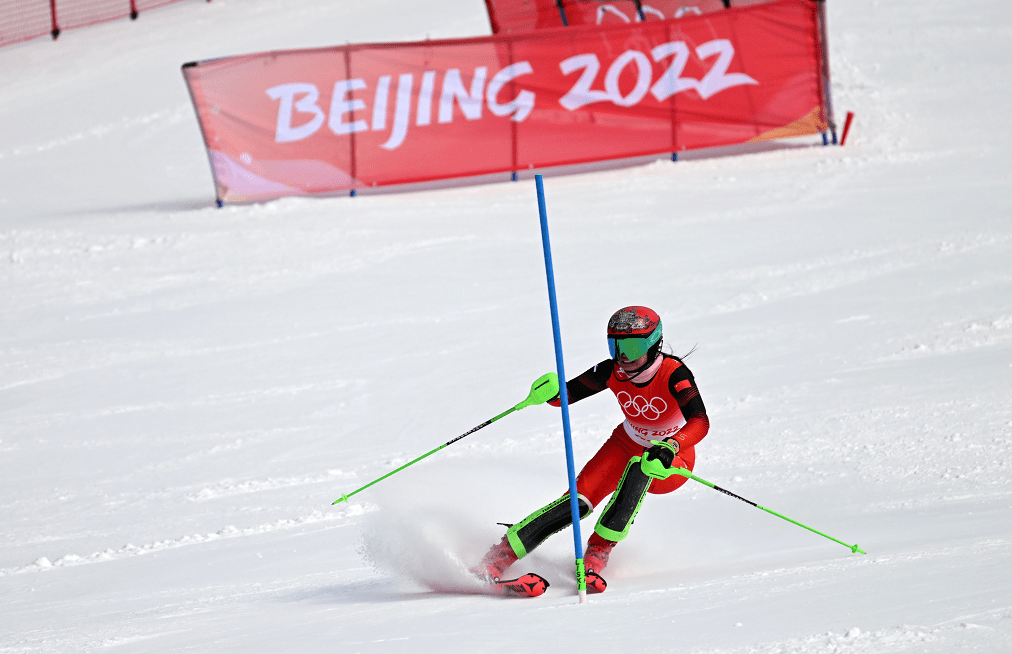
184 390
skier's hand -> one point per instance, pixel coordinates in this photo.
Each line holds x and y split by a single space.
663 451
657 460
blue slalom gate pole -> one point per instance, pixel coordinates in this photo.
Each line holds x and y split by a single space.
574 504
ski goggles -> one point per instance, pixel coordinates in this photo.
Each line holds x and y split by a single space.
633 347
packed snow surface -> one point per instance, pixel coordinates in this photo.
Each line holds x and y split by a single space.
184 390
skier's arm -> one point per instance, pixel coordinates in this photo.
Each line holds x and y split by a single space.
682 386
592 381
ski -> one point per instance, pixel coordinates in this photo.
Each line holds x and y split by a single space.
528 585
595 583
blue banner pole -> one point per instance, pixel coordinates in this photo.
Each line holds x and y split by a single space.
574 504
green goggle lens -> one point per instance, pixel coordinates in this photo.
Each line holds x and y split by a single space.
633 347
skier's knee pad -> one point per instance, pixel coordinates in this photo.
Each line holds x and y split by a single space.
538 526
625 503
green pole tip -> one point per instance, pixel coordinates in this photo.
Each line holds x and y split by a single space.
344 498
857 550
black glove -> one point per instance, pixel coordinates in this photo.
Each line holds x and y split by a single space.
663 451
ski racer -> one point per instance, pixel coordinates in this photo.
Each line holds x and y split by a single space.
664 419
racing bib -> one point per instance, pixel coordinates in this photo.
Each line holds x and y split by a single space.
651 413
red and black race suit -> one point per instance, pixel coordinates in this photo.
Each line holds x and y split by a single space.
668 405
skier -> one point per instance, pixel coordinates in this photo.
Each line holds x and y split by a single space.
664 419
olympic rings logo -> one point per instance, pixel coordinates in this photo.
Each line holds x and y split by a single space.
634 407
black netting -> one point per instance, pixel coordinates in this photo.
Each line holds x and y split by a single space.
21 20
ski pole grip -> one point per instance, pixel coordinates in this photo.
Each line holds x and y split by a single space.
543 389
654 468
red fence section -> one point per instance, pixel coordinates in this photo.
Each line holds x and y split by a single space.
515 16
334 119
22 20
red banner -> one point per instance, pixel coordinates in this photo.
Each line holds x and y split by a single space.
513 16
335 119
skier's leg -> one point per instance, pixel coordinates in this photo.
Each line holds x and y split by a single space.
533 530
596 480
524 536
625 503
600 476
618 516
614 523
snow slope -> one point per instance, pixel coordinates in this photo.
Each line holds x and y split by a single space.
184 389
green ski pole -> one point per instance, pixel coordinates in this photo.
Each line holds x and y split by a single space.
655 469
543 389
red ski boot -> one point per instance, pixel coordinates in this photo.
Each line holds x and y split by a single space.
495 562
595 559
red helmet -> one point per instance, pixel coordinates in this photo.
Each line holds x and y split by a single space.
633 331
633 321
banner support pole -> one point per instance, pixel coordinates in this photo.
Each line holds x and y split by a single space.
52 17
562 13
824 56
574 504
